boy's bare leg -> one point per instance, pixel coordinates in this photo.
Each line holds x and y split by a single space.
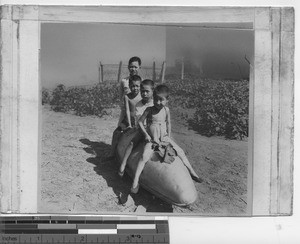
184 159
141 164
114 141
126 156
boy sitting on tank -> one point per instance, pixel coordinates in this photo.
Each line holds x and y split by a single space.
146 92
134 65
158 132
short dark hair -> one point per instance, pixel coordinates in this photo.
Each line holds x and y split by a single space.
162 89
134 78
148 82
135 59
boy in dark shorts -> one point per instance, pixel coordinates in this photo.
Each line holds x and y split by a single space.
130 100
134 65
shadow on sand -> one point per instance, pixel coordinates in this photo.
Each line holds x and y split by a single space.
108 168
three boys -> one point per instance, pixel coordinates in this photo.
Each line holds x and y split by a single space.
152 121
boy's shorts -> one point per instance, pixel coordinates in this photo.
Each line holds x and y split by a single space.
125 122
138 137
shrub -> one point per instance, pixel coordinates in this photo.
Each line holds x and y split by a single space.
221 105
85 101
59 101
224 109
45 96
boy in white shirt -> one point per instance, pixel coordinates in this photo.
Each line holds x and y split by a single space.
146 91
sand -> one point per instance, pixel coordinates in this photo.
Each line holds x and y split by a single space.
78 177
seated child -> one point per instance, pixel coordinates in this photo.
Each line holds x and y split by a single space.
130 100
158 131
147 87
134 65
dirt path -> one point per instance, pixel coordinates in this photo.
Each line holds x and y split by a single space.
77 177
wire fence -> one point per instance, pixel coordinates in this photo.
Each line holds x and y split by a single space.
115 72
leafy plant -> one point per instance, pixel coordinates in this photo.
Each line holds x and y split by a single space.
85 101
221 105
45 96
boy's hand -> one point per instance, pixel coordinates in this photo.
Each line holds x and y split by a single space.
156 142
148 138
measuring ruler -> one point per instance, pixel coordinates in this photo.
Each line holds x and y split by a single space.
83 229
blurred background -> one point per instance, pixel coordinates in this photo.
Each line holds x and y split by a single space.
79 54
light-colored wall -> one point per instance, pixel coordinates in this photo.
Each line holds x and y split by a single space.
71 52
216 53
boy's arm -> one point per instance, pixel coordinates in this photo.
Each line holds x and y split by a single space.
127 110
122 114
121 88
168 122
141 124
121 117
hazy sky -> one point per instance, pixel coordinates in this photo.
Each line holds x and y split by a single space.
217 53
70 53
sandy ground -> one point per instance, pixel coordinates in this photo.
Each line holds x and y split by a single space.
78 177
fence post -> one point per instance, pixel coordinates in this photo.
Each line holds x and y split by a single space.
182 69
162 73
153 72
120 71
100 72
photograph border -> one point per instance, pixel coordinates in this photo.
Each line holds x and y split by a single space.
271 122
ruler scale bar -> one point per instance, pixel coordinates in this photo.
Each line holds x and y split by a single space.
136 226
96 226
137 222
137 231
59 238
57 226
18 226
97 231
61 229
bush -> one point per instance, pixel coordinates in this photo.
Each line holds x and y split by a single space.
224 109
45 96
59 101
186 93
85 101
221 105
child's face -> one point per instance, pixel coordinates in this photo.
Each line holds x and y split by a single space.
135 87
160 100
133 68
146 92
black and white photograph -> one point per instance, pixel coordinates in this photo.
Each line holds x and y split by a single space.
181 113
145 118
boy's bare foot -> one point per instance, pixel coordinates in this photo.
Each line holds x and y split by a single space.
121 173
135 190
123 199
197 178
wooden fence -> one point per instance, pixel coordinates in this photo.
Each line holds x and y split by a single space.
115 72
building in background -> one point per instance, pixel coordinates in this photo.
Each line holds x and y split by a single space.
212 53
71 53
